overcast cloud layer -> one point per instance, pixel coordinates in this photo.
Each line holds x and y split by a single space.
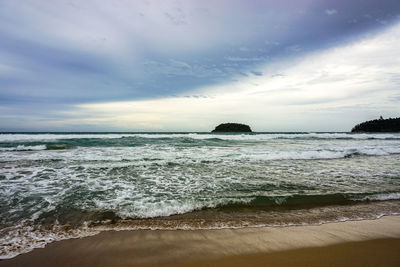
188 65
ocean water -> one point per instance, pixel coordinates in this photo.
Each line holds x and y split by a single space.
55 186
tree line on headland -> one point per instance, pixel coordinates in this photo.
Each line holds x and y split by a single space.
232 128
380 125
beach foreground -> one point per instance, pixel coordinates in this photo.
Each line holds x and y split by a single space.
329 244
377 252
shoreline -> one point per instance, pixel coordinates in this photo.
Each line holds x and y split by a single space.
177 247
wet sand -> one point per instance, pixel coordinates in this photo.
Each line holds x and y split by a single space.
330 244
377 252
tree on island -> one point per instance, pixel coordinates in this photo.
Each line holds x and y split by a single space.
232 127
379 126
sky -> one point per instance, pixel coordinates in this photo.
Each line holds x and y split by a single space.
288 65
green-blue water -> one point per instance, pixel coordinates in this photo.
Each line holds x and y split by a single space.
55 186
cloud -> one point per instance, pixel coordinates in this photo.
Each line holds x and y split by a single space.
330 12
245 58
178 18
343 84
257 73
59 54
294 48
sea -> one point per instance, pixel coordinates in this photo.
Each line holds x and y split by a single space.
56 186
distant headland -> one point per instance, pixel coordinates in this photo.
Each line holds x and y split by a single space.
380 126
232 128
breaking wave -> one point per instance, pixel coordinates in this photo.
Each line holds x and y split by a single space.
24 148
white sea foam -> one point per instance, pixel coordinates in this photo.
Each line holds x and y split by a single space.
383 196
165 154
53 137
238 137
25 237
24 148
172 207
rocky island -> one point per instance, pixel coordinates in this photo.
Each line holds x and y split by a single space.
379 126
232 128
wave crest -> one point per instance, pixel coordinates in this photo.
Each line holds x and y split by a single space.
24 148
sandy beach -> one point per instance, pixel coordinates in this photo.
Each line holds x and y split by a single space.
350 243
